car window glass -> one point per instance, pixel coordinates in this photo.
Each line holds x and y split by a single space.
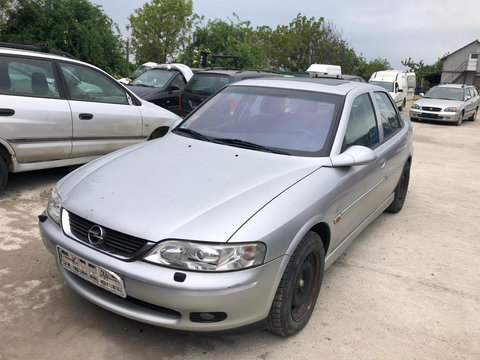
89 85
362 126
157 78
178 82
296 121
27 77
207 83
391 122
445 93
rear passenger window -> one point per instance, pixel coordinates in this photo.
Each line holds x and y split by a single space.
362 126
27 77
391 122
89 85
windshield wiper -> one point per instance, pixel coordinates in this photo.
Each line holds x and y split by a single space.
250 145
194 134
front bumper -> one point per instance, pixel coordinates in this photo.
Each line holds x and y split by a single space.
434 115
155 297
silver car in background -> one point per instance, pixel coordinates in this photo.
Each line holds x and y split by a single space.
231 218
447 103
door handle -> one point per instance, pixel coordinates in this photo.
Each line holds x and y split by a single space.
7 112
85 116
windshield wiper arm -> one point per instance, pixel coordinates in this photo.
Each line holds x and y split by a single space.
250 145
194 134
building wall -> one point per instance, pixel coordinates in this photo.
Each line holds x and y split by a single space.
455 63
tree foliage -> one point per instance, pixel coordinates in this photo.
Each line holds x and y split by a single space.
421 70
366 68
160 29
303 42
74 26
219 37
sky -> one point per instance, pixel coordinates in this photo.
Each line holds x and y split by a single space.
391 29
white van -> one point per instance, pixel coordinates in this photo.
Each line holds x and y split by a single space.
395 81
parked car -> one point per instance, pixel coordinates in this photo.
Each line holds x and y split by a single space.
395 82
56 111
138 71
205 83
447 103
162 85
270 181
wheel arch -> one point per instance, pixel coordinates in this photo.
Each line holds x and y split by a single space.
323 230
7 152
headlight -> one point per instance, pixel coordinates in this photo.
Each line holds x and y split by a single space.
207 257
54 207
450 109
415 106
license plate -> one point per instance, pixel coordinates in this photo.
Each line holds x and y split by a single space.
97 275
430 116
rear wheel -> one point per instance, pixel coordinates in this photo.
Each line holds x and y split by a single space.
3 174
400 191
298 290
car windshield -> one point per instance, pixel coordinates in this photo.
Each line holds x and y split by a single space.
139 71
265 119
445 93
207 83
386 85
154 78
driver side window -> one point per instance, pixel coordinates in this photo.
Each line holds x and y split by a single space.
85 84
362 125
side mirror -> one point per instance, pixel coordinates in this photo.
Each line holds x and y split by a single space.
422 94
354 155
400 90
468 97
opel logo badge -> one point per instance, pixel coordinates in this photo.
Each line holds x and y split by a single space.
96 235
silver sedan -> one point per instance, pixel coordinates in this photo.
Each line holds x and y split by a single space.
231 219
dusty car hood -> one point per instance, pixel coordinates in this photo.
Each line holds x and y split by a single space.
181 188
440 103
143 91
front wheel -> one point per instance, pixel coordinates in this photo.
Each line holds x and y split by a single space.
460 119
3 174
400 191
474 116
298 290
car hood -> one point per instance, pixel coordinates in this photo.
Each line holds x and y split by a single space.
440 103
181 188
143 91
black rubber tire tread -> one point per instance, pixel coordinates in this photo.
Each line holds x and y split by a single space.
3 174
399 199
460 119
279 320
474 116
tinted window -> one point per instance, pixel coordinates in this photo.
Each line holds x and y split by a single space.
207 83
178 82
362 126
86 84
154 78
298 122
27 77
390 120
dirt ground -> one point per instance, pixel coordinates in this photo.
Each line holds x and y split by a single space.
407 288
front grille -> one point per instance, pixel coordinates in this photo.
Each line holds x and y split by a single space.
115 242
428 108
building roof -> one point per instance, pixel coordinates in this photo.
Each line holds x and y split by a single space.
475 41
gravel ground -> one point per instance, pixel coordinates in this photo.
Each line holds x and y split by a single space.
407 288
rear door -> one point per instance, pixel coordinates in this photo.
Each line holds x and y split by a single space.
35 117
173 90
103 114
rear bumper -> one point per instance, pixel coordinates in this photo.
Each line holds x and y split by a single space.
154 297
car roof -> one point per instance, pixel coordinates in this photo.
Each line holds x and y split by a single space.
237 73
41 55
326 85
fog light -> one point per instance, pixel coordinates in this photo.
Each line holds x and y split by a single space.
207 317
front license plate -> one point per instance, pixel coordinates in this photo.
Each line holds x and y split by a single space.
97 275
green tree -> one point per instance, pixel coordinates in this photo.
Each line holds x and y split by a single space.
160 29
306 41
421 70
219 37
366 68
74 26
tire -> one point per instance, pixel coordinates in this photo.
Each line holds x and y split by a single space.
400 191
3 174
403 105
299 287
460 119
